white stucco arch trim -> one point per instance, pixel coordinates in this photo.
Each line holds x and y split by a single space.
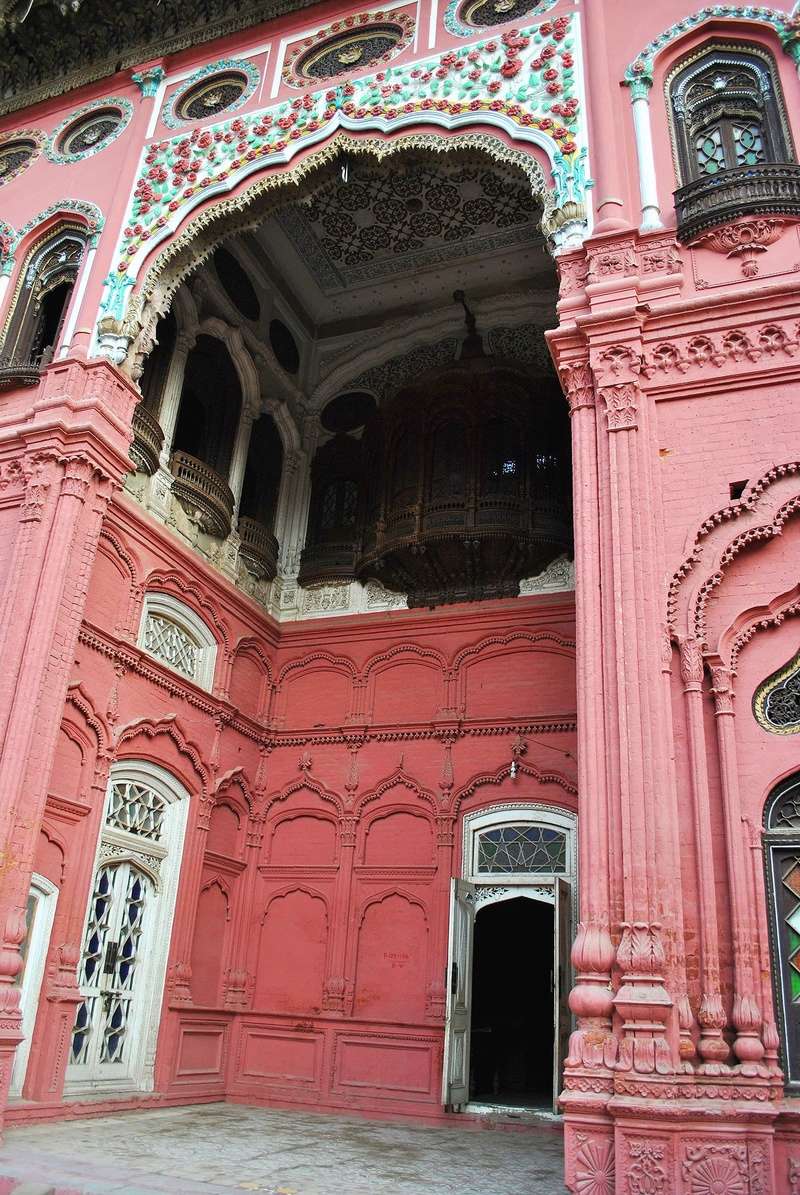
165 606
518 813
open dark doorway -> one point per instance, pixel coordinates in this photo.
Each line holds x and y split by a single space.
511 1048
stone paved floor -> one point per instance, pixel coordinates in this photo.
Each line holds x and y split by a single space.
214 1149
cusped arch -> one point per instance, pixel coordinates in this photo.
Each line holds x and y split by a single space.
80 211
290 890
640 70
377 898
397 779
233 787
166 267
758 516
169 581
521 768
551 640
760 618
308 782
341 664
429 657
93 719
144 733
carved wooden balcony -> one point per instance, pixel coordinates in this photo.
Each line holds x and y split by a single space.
772 188
202 492
258 548
328 560
14 373
147 440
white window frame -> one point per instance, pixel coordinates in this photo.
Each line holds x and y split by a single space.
164 605
30 991
526 813
169 851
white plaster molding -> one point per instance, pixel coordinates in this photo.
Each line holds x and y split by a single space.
164 606
45 894
648 181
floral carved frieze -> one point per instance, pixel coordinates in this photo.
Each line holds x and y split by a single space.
523 82
773 342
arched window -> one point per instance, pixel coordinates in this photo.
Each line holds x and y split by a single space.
211 401
727 112
175 635
46 283
156 367
333 523
127 930
730 136
782 858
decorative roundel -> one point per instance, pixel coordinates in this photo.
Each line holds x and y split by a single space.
348 45
219 87
88 130
284 346
347 412
463 17
236 284
17 151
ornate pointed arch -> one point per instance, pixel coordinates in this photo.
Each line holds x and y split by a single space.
399 778
429 656
523 769
174 582
189 233
307 781
289 890
758 516
227 786
342 664
640 69
169 726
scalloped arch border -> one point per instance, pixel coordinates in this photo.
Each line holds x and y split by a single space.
640 70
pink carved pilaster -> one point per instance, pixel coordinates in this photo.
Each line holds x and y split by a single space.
748 1046
769 1029
637 729
592 1044
337 990
713 1048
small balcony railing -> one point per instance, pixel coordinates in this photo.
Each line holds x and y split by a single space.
770 189
147 440
258 548
201 490
23 371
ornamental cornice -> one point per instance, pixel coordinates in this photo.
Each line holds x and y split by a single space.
522 82
734 350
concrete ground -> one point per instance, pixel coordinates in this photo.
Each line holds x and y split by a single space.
213 1149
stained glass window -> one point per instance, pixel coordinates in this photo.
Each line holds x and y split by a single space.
136 808
727 112
776 703
522 849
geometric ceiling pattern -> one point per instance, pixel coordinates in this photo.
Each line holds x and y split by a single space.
390 220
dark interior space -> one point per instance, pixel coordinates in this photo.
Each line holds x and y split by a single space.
511 1052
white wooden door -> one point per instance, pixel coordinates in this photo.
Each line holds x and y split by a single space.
455 1086
562 945
112 972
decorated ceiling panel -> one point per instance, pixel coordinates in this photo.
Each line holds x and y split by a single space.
389 222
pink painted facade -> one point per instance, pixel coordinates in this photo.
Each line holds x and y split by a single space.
323 779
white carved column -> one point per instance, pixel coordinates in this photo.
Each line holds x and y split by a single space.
648 186
239 457
171 394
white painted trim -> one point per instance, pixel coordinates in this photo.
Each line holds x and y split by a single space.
137 1073
165 605
47 894
517 813
76 299
648 183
